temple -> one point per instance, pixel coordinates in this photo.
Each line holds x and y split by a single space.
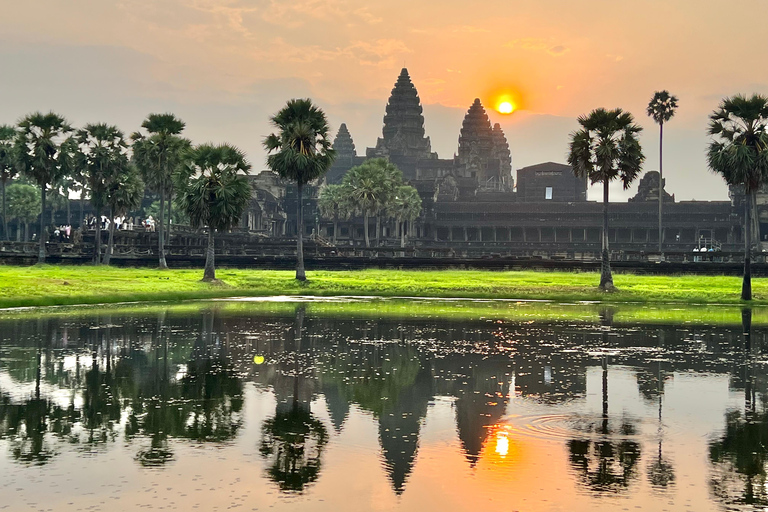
473 206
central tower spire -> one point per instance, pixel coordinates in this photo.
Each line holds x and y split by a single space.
403 133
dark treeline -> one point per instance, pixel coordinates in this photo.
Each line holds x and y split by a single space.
205 183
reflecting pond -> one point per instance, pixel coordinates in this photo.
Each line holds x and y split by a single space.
383 405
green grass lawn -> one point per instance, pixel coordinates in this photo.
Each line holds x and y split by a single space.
66 285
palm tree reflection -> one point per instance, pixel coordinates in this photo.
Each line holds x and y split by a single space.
605 459
739 457
293 440
26 424
204 405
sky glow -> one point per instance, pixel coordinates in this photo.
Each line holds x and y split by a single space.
225 65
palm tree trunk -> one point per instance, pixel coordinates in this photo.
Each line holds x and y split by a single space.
170 212
746 285
378 230
606 278
5 214
97 239
755 220
661 189
209 274
335 229
402 234
82 214
111 242
161 232
69 210
41 252
300 274
26 231
365 229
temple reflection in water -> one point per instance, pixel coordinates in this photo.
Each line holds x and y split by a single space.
158 379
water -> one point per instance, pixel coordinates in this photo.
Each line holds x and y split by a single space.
291 405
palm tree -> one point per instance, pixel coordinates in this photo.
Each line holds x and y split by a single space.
124 193
405 208
739 153
661 108
103 160
216 194
604 149
372 186
8 166
158 156
334 204
301 152
392 178
45 149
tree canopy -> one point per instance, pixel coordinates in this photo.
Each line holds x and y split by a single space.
300 150
739 149
45 151
662 107
607 147
8 166
376 187
217 193
23 203
108 174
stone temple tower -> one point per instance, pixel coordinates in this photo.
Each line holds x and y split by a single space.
403 134
483 151
500 152
343 143
476 136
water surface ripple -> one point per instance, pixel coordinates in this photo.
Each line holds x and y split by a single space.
373 404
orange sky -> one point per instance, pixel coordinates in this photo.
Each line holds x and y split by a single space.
225 65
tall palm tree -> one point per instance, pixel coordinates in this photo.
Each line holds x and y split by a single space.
391 178
217 193
8 166
405 208
334 204
45 150
124 193
604 149
158 156
300 151
103 161
739 153
661 108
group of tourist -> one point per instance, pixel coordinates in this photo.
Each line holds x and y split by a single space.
62 233
121 223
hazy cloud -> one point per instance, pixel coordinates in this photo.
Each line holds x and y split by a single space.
226 65
530 43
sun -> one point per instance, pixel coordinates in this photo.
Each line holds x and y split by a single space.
505 107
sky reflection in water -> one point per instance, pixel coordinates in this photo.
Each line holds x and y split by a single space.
257 406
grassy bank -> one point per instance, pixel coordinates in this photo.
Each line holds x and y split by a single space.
68 285
463 310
